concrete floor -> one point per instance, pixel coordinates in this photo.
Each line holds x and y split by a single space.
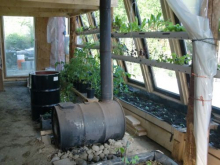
19 135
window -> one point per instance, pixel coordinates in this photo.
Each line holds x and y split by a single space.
19 46
216 88
164 80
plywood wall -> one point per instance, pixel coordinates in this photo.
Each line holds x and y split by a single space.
42 47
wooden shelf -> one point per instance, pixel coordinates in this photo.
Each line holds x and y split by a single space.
88 32
83 96
154 63
163 35
86 46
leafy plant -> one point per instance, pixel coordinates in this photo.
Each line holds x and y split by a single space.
174 28
174 59
118 81
218 67
79 30
119 48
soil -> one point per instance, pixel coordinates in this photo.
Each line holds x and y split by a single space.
19 135
214 138
169 115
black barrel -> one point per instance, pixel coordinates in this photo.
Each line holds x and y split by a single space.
45 92
83 124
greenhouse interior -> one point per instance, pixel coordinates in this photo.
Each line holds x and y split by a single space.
109 82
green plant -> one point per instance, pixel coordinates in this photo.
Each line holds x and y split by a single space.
119 48
79 30
173 28
218 67
118 80
174 59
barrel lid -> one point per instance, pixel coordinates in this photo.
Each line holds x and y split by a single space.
66 105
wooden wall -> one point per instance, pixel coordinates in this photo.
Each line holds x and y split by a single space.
42 47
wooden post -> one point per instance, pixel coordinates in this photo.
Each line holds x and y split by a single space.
1 54
190 149
73 37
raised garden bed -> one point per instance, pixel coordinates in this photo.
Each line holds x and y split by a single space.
167 129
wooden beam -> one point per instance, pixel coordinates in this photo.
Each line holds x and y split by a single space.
15 3
73 37
1 55
40 12
75 2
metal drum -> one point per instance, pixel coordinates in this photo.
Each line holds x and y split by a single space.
45 92
83 124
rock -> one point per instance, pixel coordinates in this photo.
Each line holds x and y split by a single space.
90 157
86 148
109 157
55 158
96 158
80 162
101 147
102 156
59 154
84 156
106 145
98 153
89 151
95 148
118 144
75 157
111 141
70 155
106 151
112 151
73 163
63 162
64 156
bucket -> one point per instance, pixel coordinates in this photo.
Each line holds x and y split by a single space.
20 59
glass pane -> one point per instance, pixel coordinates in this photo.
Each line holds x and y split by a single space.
97 17
85 21
163 78
135 70
19 46
146 8
120 11
216 87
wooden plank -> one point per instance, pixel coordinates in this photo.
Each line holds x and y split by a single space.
43 49
132 120
83 96
135 132
47 132
154 132
212 160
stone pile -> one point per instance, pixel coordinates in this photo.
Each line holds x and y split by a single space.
93 153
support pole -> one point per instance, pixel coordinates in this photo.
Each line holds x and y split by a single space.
105 50
72 37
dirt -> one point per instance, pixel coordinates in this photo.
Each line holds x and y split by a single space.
19 135
169 115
